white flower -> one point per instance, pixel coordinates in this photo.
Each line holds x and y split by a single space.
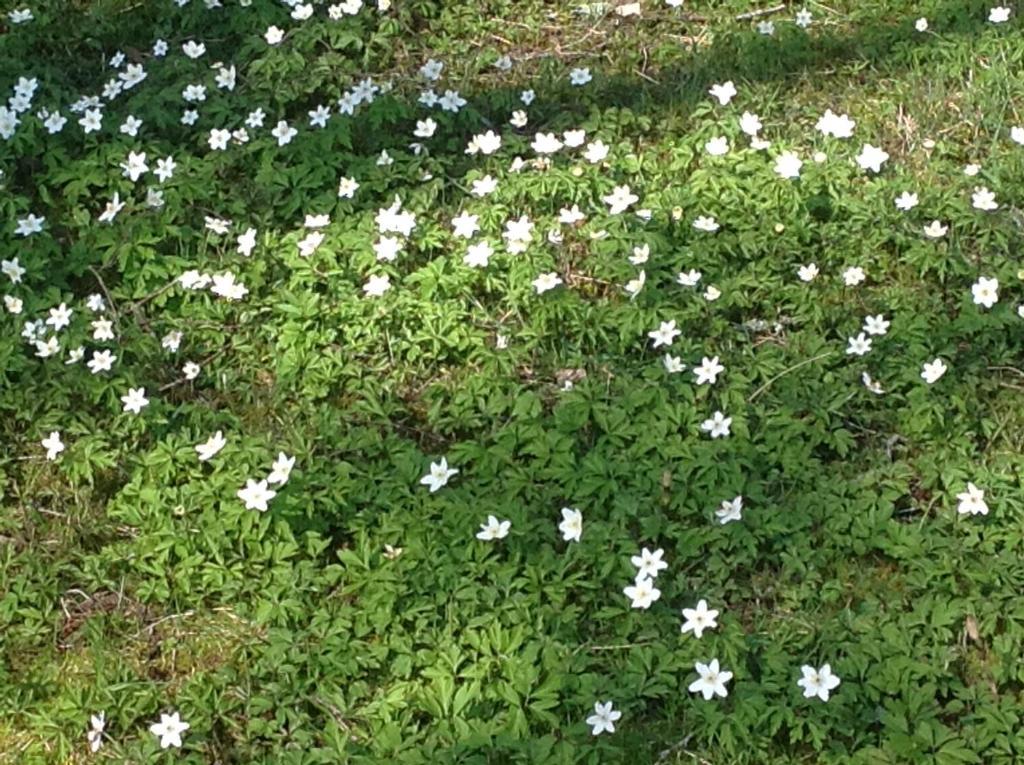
730 510
999 14
481 187
95 734
717 146
640 255
165 169
273 35
872 158
750 124
723 92
972 169
478 255
92 121
484 143
817 682
46 349
665 334
218 139
717 426
788 164
906 201
53 445
255 119
642 593
921 25
377 285
56 121
571 216
620 199
192 49
935 230
169 730
712 680
135 166
649 563
451 101
226 76
706 223
1017 134
546 282
983 199
114 206
135 400
256 495
803 18
60 317
432 70
493 529
465 225
347 188
30 224
574 138
580 76
101 361
309 243
224 285
933 370
246 242
633 286
283 133
281 470
673 364
387 248
858 345
985 291
972 501
596 151
835 125
708 371
211 446
604 718
807 273
546 143
853 276
876 325
438 475
688 278
571 525
699 619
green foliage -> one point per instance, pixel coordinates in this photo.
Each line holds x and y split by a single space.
359 620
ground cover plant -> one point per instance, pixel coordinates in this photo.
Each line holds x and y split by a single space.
511 382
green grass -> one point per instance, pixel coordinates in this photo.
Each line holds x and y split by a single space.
132 579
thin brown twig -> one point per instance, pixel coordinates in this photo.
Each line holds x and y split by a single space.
1016 371
150 627
202 363
761 12
106 292
617 647
156 293
784 372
